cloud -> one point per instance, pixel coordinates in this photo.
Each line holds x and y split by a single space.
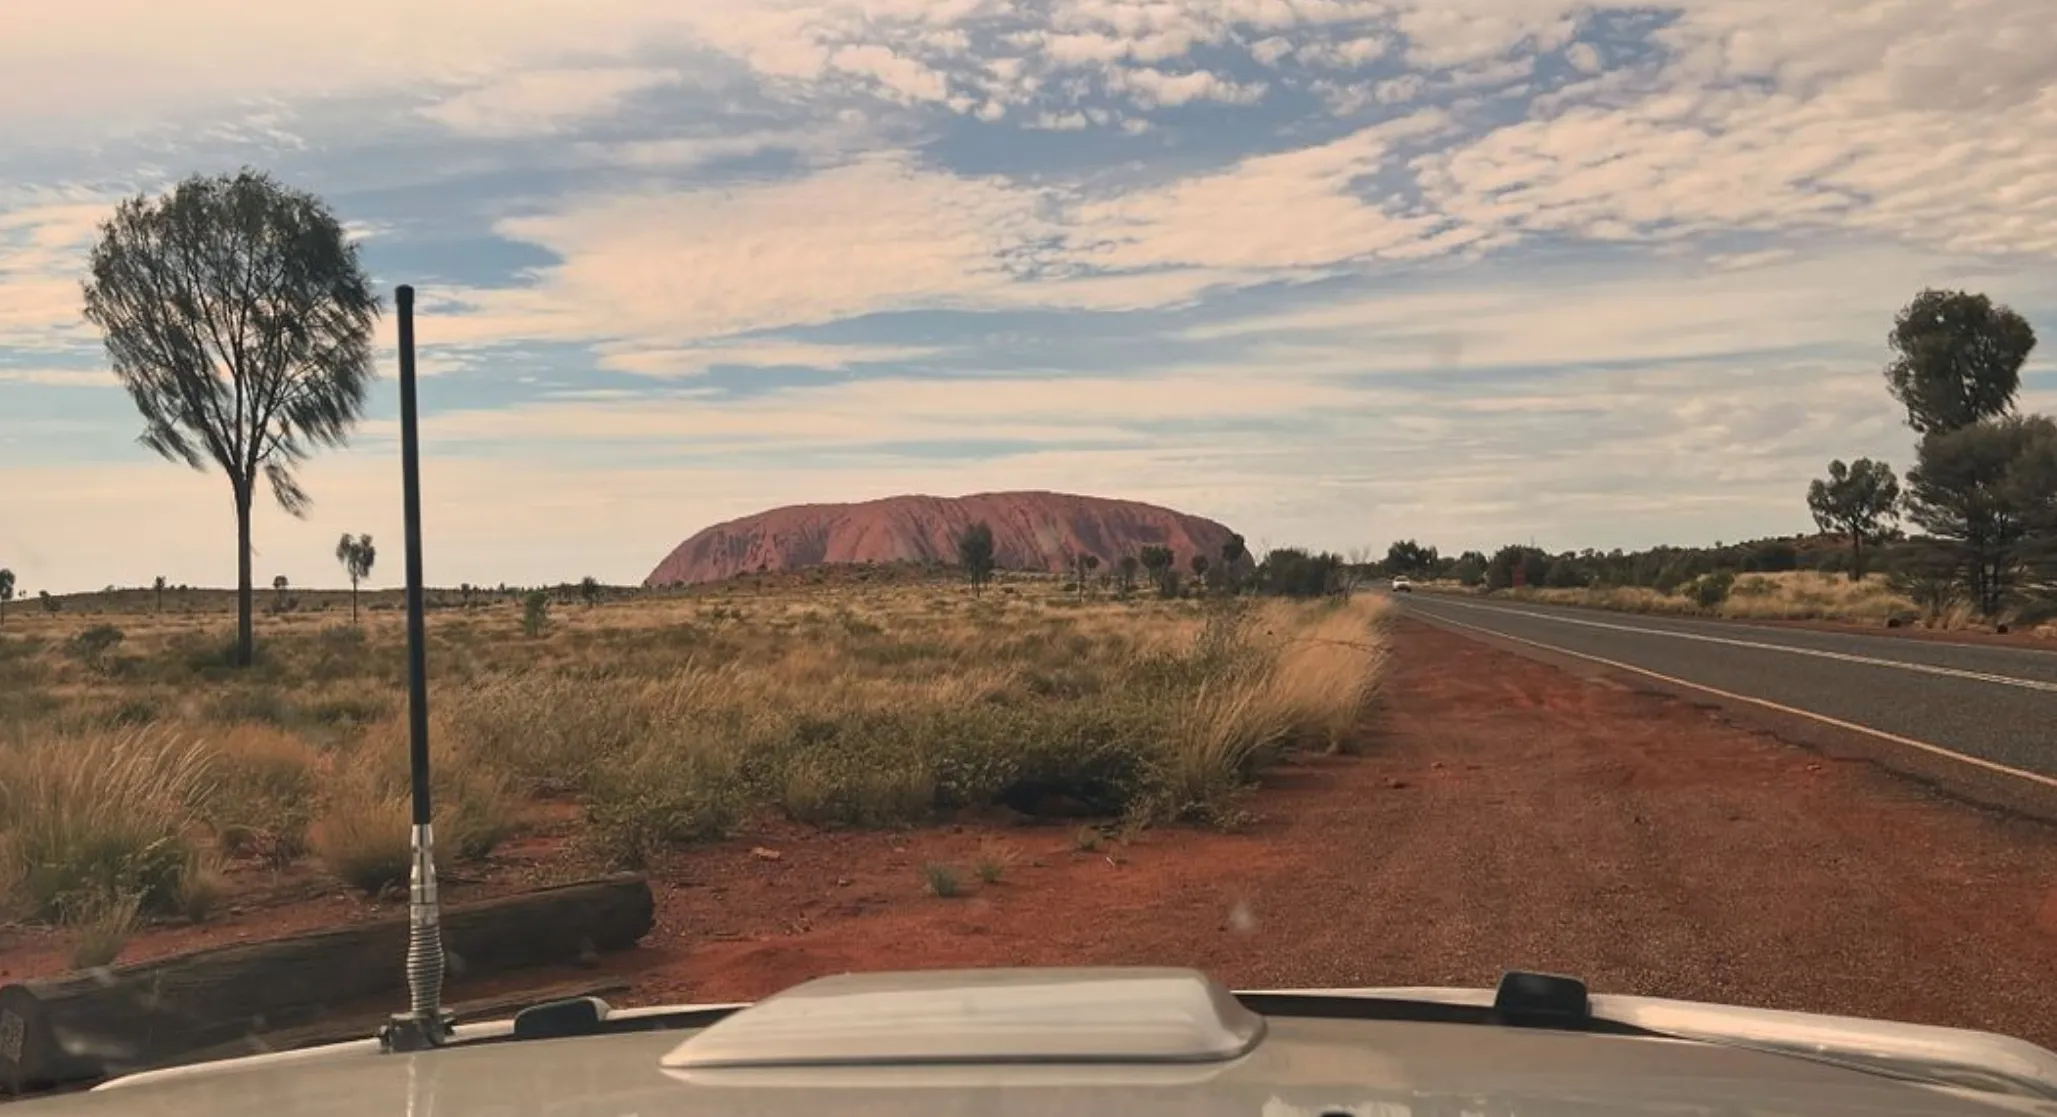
59 377
44 244
1155 88
903 78
877 233
753 353
1294 209
541 102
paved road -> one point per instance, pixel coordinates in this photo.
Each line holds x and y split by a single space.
1993 703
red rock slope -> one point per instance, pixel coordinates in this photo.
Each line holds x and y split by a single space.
1031 531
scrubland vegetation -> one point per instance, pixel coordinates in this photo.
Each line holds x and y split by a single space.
136 762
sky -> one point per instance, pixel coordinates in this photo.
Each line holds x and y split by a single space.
1333 272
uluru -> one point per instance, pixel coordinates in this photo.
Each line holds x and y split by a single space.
1031 531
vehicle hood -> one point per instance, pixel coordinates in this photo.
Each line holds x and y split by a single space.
1300 1066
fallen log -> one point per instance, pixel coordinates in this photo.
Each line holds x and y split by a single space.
110 1021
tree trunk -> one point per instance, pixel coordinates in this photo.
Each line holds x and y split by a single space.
353 601
1856 557
246 637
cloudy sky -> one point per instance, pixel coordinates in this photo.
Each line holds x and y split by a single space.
1331 271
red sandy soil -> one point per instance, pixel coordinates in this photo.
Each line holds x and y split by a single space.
1506 815
1031 531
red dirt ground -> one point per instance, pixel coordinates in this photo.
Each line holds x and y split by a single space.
1506 815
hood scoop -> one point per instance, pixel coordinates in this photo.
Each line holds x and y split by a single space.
1096 1015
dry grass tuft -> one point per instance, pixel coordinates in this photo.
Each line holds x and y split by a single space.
92 819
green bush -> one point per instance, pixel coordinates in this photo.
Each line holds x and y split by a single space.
1713 589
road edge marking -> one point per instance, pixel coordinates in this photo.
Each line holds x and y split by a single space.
1765 646
1895 738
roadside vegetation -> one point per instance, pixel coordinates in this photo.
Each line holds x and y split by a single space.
140 769
1981 501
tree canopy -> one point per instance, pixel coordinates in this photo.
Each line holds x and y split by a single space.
236 313
1957 359
1990 491
1855 500
1406 558
975 554
357 555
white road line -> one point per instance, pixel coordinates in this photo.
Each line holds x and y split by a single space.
1895 738
1758 645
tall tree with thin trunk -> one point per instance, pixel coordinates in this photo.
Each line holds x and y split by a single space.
6 592
237 315
356 554
158 588
1857 500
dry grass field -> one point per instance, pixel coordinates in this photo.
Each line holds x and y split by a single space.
136 766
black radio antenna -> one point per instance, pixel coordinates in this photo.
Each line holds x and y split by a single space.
424 1024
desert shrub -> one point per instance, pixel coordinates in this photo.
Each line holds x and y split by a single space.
98 819
263 787
91 645
682 787
363 835
1712 589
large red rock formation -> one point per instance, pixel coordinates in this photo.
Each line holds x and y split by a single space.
1031 531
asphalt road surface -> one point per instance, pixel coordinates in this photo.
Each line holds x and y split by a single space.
1994 704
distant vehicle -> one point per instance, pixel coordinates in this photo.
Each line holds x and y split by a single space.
1402 585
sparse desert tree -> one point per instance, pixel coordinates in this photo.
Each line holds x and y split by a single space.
6 592
1200 567
50 604
1408 559
975 555
1158 561
1125 578
1085 563
1957 359
1990 491
535 613
158 588
1857 500
278 589
589 590
1470 569
357 555
236 313
1234 552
